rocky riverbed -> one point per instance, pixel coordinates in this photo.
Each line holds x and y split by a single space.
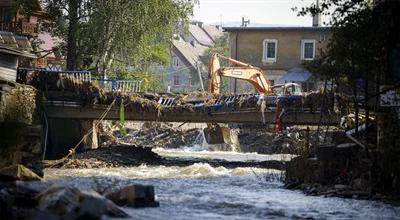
49 201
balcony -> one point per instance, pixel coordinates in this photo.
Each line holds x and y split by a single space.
21 28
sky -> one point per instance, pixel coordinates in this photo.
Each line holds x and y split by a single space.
265 12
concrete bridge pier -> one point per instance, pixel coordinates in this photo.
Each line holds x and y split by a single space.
64 134
92 140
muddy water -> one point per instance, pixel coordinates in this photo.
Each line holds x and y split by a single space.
200 191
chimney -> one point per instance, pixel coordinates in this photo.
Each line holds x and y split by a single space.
317 17
193 43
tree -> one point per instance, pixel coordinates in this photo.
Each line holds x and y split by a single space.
99 32
220 46
365 46
359 36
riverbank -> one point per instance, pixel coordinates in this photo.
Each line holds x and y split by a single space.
202 191
43 200
133 156
338 170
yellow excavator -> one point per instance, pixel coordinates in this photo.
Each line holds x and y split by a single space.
215 134
240 70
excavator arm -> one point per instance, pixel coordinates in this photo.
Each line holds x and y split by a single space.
242 71
215 134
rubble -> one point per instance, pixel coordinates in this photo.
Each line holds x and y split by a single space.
111 156
20 104
263 141
20 129
333 169
153 136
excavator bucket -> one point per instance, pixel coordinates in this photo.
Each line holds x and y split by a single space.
217 135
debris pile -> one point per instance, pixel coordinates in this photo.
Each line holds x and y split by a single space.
111 156
87 93
20 130
336 170
19 103
262 141
161 135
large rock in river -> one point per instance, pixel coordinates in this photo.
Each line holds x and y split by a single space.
72 203
135 196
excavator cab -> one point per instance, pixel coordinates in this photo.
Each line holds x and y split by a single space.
287 89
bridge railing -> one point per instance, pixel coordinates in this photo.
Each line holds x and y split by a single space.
79 77
126 86
75 76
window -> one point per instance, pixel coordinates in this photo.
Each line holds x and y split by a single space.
175 61
6 14
307 49
272 82
269 50
191 81
176 80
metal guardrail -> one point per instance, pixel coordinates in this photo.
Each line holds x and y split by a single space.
115 85
74 76
232 98
126 86
166 101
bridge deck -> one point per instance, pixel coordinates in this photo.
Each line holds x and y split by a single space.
243 116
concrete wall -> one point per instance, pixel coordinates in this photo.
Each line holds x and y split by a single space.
8 66
247 46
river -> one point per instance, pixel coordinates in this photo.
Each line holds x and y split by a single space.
200 191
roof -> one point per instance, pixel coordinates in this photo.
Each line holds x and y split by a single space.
249 29
7 39
190 53
23 43
17 52
36 4
212 31
16 45
296 74
200 35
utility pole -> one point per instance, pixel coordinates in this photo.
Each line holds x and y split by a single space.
244 24
200 78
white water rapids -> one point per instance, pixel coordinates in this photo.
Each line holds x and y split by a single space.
200 191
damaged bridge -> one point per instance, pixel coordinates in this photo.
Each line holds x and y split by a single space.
75 103
62 110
